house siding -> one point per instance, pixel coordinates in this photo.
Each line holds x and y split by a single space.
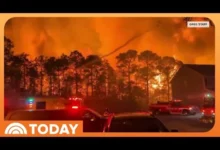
210 83
189 86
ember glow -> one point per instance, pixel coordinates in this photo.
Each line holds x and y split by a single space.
116 44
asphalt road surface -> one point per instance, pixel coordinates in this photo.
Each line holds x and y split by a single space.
185 123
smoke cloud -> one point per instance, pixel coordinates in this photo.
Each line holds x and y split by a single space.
100 36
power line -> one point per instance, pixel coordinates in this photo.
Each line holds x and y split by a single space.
130 40
127 42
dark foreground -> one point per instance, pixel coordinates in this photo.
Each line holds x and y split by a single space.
185 123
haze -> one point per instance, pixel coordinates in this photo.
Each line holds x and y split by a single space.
100 36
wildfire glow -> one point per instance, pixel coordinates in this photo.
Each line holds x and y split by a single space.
89 36
158 78
154 86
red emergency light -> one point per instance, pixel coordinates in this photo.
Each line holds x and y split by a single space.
74 98
70 98
177 100
208 111
75 107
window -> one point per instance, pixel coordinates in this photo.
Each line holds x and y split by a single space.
209 102
105 129
176 104
139 124
89 115
41 105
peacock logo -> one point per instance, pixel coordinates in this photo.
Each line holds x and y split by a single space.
16 129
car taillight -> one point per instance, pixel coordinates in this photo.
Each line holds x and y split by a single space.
75 107
30 105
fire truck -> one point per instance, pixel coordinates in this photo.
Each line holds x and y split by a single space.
208 109
173 107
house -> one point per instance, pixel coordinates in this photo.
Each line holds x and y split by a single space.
193 83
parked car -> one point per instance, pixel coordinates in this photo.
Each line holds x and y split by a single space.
92 120
135 122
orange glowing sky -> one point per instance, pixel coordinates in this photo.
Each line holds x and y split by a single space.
54 36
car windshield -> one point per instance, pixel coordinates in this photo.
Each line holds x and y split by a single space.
137 124
208 105
45 115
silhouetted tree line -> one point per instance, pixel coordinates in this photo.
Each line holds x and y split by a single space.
138 76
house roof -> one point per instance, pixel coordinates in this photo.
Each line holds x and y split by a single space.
206 70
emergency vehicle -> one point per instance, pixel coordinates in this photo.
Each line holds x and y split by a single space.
33 103
173 107
75 102
22 101
208 109
46 102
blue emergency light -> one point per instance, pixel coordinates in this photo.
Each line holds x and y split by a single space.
30 100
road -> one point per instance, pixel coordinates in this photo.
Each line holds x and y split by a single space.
185 123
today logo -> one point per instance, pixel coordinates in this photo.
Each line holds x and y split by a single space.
42 129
